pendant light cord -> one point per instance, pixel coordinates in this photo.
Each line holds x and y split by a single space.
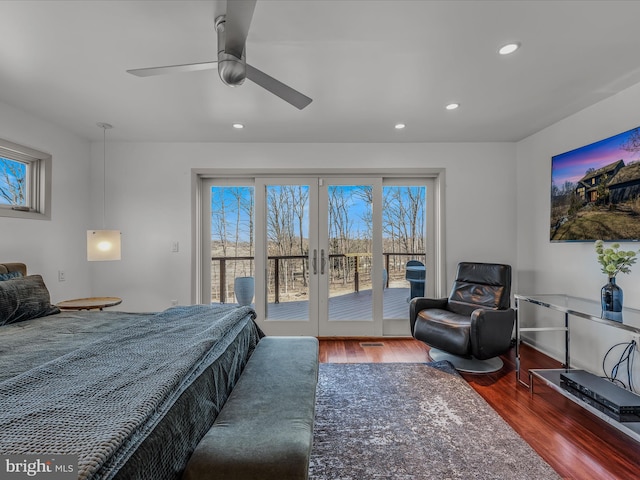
104 127
104 177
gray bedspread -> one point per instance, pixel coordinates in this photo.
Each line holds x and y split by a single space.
102 400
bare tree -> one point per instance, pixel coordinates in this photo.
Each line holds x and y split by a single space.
396 219
12 181
218 218
280 226
364 193
340 229
300 198
248 206
403 220
232 229
218 230
632 143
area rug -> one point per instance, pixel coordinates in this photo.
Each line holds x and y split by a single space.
412 421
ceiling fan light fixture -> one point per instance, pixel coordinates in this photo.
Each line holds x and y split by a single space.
232 70
232 30
509 48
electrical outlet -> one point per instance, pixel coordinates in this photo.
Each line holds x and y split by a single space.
636 337
174 303
61 276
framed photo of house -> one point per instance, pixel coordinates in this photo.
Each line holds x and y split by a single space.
595 191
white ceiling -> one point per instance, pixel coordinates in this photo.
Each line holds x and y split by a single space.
367 65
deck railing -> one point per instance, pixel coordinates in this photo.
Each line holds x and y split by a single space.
344 269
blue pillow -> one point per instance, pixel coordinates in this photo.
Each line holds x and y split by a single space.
9 275
24 298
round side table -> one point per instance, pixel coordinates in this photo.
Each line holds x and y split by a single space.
92 303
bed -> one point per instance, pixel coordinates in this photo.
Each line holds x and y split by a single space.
131 394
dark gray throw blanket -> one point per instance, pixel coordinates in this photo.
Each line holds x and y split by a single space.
102 400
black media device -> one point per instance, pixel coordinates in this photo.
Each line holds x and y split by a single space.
603 395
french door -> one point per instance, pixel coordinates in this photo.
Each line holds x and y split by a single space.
336 270
328 254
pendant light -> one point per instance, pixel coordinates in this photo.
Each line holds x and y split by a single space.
103 245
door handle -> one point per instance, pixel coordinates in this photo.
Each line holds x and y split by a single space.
323 261
315 261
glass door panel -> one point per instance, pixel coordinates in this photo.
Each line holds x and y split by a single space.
351 255
408 219
404 240
287 231
350 226
229 240
287 252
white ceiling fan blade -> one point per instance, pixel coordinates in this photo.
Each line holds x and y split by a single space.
238 21
278 88
188 67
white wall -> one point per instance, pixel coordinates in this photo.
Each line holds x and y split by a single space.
151 203
571 268
47 246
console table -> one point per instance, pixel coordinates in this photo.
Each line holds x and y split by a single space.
583 308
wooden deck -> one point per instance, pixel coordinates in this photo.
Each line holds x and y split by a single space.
350 306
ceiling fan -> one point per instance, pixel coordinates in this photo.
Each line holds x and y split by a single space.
232 30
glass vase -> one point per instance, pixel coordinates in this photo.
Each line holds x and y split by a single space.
611 297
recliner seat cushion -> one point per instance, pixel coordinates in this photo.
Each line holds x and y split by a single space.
444 330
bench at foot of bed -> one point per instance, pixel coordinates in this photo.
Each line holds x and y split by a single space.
265 429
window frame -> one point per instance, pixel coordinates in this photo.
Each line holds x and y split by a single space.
200 177
38 190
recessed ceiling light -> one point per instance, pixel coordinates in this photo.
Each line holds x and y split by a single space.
238 126
508 48
452 106
400 126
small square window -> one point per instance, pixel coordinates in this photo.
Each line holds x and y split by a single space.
25 182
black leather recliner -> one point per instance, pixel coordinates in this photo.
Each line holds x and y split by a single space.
474 324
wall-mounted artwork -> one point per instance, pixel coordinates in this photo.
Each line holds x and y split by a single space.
595 191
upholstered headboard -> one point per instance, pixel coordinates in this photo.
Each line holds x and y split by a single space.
13 267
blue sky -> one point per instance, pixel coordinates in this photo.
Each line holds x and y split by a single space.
4 174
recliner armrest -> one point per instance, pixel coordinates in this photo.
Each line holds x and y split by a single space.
491 332
422 303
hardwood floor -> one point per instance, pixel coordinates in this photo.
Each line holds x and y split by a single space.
577 444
